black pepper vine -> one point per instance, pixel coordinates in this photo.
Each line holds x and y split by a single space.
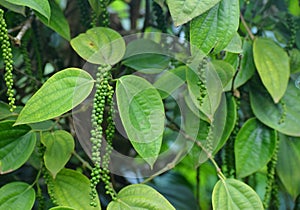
202 80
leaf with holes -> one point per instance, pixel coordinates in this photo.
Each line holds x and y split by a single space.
16 145
139 196
59 94
232 194
142 114
59 147
272 64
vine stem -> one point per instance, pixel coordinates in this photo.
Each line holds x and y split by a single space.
84 163
246 26
23 30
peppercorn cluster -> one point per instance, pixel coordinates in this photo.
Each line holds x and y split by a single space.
202 80
8 61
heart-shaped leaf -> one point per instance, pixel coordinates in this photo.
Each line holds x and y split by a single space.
142 114
272 64
139 196
100 46
59 94
59 146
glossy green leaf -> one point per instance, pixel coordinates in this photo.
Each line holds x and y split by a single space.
59 94
235 45
253 147
215 29
288 164
295 60
232 194
142 114
170 80
40 6
59 147
214 90
272 64
100 46
13 7
16 145
17 196
224 70
139 196
43 126
62 208
57 21
71 189
270 113
182 11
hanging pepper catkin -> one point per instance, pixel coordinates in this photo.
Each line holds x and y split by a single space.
8 61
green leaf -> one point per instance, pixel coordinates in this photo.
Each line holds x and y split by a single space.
62 208
41 6
57 21
5 111
160 2
170 80
100 46
295 60
270 113
16 145
272 64
224 70
182 11
235 45
71 189
215 29
139 196
59 147
59 94
253 147
294 7
142 114
17 196
232 194
288 164
13 7
214 90
95 5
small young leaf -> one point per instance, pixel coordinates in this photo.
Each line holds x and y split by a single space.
17 195
59 94
288 164
71 189
182 11
100 46
214 29
270 113
139 196
142 114
57 21
16 145
40 6
59 146
232 194
272 64
253 148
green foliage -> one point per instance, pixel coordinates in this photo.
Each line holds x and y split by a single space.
170 100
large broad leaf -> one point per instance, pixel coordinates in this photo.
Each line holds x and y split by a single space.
16 145
214 90
62 208
232 194
59 94
170 80
57 21
13 7
41 6
270 114
215 29
59 147
142 114
100 46
17 196
288 164
139 196
272 64
71 189
253 147
182 11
